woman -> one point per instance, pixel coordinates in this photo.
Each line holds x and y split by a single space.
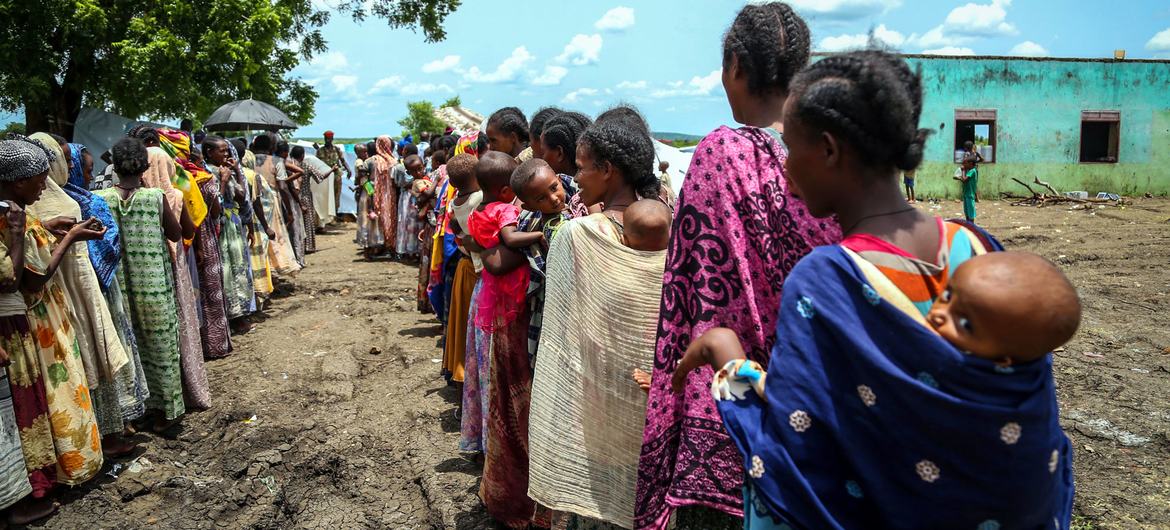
600 315
196 389
385 192
239 295
290 197
124 399
213 329
281 255
737 232
146 221
76 441
866 416
507 132
406 235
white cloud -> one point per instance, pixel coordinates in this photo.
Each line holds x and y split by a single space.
395 85
949 50
552 76
881 34
632 85
581 50
616 19
332 62
980 19
441 65
698 86
1028 49
575 96
843 9
342 83
505 72
1160 42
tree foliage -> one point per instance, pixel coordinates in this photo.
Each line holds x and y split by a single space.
173 58
12 127
421 117
452 101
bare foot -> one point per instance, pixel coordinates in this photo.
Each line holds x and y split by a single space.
114 446
28 510
643 380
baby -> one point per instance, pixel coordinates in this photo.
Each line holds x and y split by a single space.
540 190
1009 307
647 225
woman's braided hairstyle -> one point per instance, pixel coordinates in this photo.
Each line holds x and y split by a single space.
621 137
870 98
563 131
510 120
130 158
542 116
771 43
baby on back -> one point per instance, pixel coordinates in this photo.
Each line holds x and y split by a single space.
647 225
1008 307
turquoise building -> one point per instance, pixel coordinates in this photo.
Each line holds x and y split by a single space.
1080 124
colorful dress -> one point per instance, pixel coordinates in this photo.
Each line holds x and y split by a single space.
502 298
259 249
71 417
149 286
26 388
737 231
213 329
385 192
891 423
409 225
281 256
476 384
369 236
239 295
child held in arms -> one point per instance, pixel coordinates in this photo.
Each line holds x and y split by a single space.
494 223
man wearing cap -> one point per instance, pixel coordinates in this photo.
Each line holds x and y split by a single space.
333 155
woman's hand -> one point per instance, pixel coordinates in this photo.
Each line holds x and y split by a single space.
715 348
87 230
643 380
59 226
5 360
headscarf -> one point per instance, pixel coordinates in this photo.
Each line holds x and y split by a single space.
468 143
187 176
22 158
54 202
104 253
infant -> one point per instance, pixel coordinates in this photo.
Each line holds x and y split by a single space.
1009 307
646 224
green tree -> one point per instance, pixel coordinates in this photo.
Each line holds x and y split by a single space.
453 101
420 116
173 58
13 127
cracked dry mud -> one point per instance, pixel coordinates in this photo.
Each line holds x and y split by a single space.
354 428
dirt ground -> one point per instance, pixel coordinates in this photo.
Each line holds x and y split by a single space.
332 414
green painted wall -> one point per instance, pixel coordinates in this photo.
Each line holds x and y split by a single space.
1039 104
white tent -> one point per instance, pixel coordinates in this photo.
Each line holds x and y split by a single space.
678 160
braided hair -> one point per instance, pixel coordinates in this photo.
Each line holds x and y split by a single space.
563 131
871 98
625 113
446 143
627 146
770 42
542 116
510 120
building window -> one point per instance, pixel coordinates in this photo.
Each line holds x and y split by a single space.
1100 134
976 126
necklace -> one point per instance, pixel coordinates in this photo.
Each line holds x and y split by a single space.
874 216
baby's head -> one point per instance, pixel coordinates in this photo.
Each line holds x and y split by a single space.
647 225
1010 307
494 173
539 187
461 171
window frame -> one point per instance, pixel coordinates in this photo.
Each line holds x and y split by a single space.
989 117
1100 116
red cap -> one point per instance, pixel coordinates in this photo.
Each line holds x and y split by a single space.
329 134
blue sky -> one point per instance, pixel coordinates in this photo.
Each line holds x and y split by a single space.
664 55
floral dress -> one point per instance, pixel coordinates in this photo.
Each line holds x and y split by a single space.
71 417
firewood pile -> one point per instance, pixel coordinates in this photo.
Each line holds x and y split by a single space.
1049 197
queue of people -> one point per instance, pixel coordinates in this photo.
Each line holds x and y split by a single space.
114 292
788 345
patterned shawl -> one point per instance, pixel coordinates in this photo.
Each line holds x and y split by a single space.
104 253
385 192
187 176
737 232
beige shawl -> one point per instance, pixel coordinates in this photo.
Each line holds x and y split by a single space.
587 415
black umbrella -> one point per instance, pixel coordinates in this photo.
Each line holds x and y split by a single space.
246 115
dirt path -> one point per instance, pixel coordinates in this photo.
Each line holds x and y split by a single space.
355 429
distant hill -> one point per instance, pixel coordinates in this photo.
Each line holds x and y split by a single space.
673 136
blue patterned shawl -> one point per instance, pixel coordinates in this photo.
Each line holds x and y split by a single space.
870 419
104 253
